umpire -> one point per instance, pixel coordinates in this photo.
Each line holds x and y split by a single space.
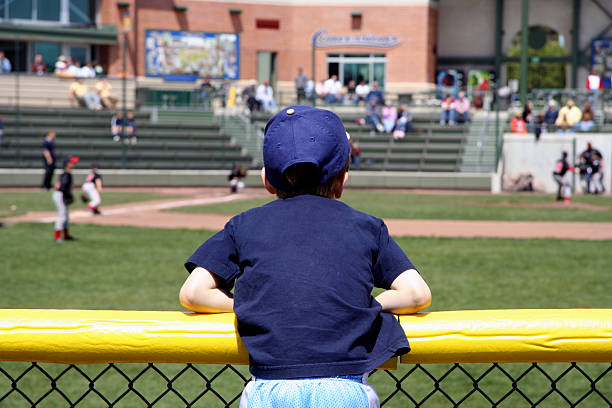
48 151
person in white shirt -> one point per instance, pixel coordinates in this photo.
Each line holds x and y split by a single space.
593 84
265 96
361 92
333 90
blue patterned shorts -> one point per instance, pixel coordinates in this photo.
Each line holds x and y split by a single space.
321 392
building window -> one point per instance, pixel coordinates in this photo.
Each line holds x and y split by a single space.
81 12
48 10
21 9
358 67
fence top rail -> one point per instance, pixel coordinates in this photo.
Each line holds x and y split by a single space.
100 336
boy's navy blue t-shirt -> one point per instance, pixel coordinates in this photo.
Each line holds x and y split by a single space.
304 268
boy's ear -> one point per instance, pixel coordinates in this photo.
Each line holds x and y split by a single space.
339 186
269 187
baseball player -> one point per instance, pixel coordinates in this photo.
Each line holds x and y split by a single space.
565 189
590 166
62 197
92 187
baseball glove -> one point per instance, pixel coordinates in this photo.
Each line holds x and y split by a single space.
68 200
84 198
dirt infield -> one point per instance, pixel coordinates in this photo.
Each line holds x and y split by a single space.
151 214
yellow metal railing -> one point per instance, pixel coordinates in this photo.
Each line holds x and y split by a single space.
80 337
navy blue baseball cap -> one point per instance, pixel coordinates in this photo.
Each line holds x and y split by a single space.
303 134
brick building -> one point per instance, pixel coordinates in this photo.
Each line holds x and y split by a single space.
394 43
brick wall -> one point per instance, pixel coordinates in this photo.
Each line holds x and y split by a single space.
411 62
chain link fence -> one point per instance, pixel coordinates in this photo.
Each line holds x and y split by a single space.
190 385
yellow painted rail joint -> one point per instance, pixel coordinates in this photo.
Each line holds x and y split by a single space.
98 336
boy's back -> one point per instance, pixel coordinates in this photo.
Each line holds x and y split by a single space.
305 269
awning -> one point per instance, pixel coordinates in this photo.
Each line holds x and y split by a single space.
106 34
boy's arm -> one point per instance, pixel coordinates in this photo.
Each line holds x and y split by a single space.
408 294
200 293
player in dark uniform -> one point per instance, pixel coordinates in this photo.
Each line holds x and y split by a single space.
48 159
561 168
62 197
590 170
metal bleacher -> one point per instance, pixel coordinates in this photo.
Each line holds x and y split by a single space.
87 134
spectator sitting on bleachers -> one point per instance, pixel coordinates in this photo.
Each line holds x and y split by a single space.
5 64
80 94
373 118
389 116
248 95
361 92
104 92
551 114
569 115
376 94
60 66
404 123
38 67
117 126
517 124
587 122
130 129
265 95
447 114
2 118
350 92
333 90
320 91
87 71
355 154
74 68
462 108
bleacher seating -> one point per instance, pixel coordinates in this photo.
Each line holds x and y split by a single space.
87 134
431 147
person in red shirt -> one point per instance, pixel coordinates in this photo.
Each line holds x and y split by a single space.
38 67
448 110
517 124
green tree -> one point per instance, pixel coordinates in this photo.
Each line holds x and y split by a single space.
542 74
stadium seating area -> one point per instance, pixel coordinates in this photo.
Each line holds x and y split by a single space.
180 142
87 134
431 147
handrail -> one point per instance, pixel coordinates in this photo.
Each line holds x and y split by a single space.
99 336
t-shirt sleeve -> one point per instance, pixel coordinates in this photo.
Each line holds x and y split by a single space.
218 255
391 260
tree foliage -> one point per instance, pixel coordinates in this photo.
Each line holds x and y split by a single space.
543 74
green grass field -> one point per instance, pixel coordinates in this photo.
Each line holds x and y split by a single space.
128 268
391 204
25 201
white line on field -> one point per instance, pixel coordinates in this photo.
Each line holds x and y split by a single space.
153 206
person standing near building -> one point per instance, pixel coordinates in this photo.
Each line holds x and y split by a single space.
5 64
62 197
593 83
48 152
265 96
92 188
301 80
565 189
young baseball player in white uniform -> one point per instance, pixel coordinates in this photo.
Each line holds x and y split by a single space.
92 187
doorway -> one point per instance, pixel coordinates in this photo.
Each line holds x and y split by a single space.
266 67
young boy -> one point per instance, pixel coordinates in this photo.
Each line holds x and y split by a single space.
62 197
304 267
92 187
